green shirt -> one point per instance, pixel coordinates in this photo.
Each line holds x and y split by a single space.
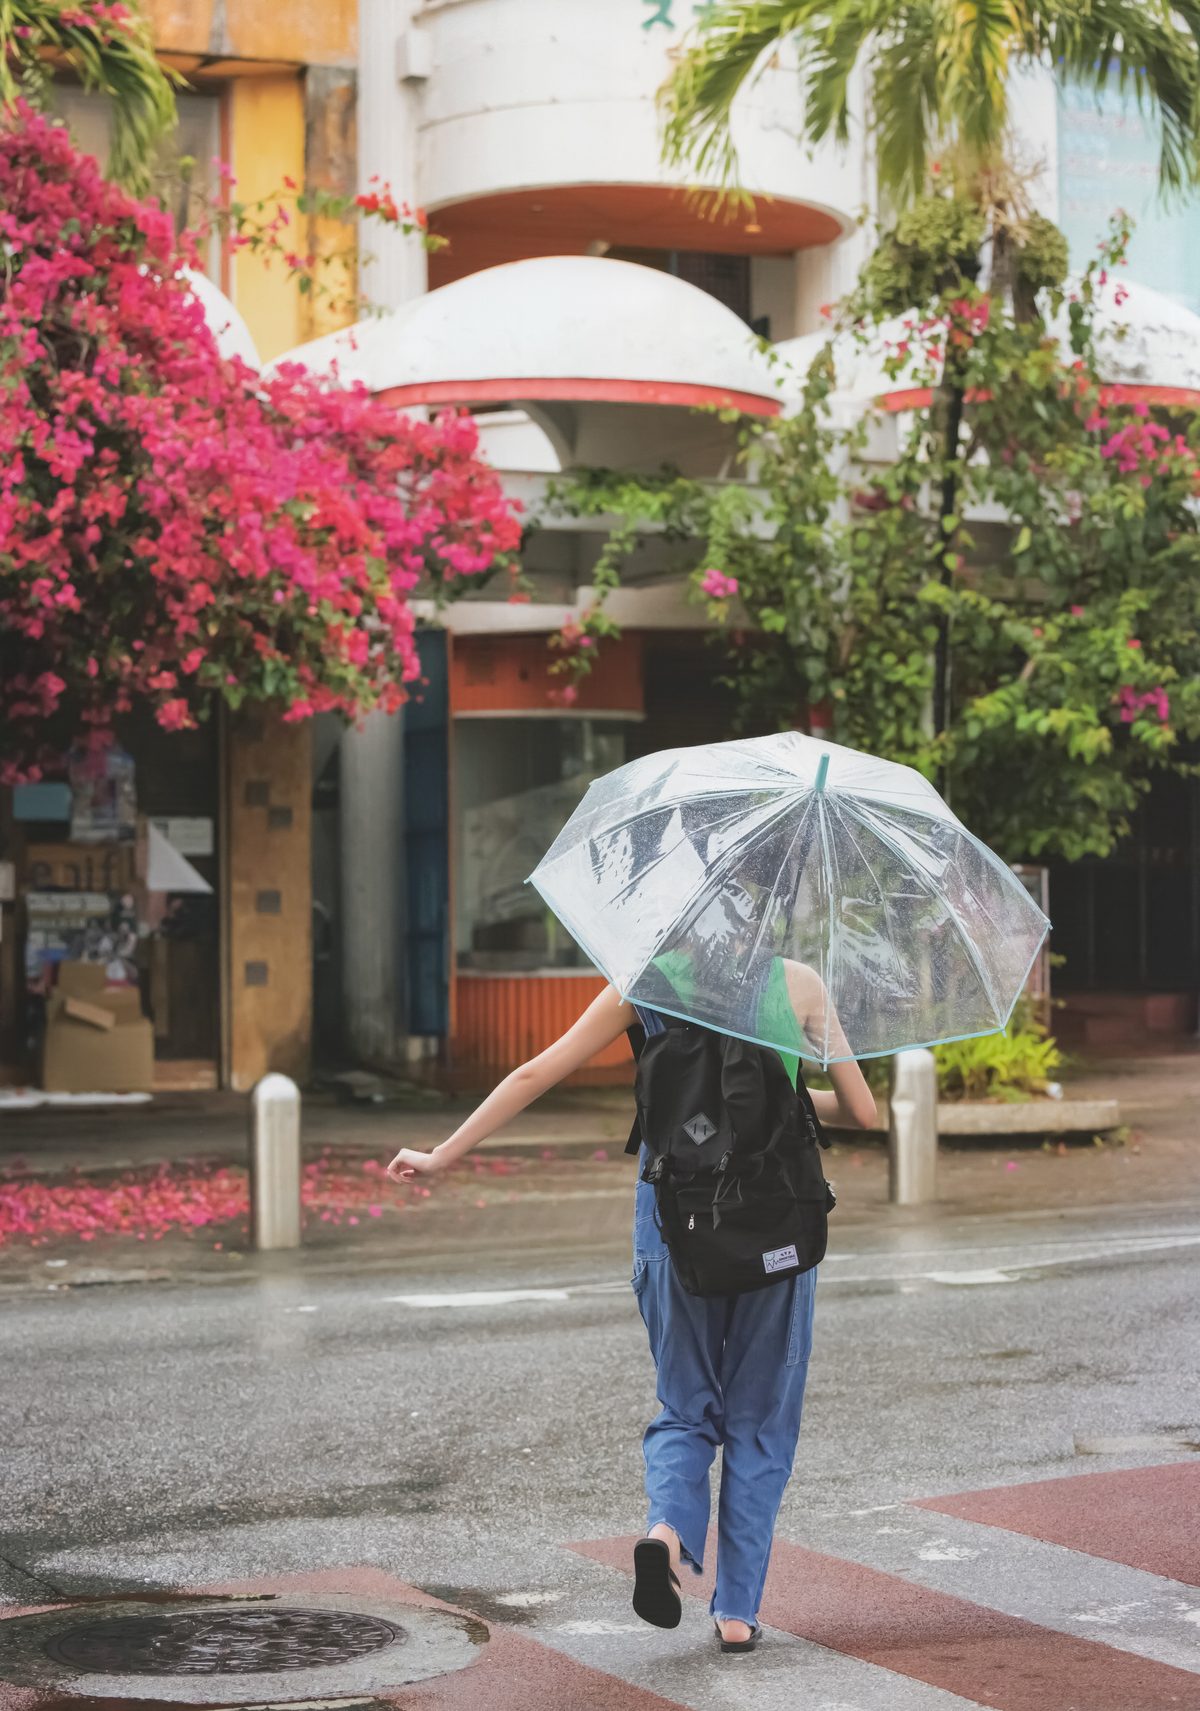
776 1018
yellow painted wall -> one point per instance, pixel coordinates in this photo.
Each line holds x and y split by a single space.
267 140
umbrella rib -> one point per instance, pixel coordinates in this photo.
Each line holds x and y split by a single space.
681 919
967 943
884 898
767 911
665 855
828 876
630 819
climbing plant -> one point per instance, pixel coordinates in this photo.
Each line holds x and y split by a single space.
1073 543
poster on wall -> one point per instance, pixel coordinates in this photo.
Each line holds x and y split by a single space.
79 926
103 796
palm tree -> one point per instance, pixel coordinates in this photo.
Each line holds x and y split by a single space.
109 49
937 72
937 79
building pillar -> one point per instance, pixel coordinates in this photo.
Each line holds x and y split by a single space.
389 108
268 828
371 798
371 824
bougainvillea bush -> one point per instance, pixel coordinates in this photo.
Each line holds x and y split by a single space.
174 527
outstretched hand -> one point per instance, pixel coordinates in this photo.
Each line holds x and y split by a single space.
408 1164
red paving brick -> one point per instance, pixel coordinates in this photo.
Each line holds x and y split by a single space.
513 1672
947 1642
1145 1517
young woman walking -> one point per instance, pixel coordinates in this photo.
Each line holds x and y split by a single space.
731 1370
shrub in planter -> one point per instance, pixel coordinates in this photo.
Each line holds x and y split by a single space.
1017 1064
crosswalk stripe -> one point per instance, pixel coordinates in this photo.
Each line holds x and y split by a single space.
984 1656
1144 1517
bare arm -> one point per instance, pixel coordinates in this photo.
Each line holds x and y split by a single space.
851 1103
605 1020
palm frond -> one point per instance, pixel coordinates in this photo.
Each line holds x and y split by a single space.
116 59
696 102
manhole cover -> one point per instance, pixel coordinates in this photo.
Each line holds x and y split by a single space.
221 1642
290 1648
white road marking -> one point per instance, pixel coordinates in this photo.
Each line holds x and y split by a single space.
480 1298
895 1268
528 1600
960 1279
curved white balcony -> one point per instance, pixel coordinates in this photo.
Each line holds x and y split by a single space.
557 98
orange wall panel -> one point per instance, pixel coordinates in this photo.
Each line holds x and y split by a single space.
304 32
511 674
504 1020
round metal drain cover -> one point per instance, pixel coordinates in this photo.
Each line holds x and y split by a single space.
260 1640
293 1648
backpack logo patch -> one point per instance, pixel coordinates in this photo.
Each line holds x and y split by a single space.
699 1129
779 1259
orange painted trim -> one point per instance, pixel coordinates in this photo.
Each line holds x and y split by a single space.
504 1020
1119 392
1176 397
510 673
583 390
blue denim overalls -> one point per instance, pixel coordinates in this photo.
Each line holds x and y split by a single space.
731 1371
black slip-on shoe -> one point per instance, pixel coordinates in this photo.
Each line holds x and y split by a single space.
655 1588
739 1645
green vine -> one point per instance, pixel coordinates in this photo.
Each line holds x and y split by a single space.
1074 626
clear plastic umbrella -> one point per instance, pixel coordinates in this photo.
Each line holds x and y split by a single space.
692 877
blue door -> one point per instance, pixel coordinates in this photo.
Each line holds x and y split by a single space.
427 838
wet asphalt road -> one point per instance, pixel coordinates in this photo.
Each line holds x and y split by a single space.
460 1423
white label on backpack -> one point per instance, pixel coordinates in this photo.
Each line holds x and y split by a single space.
699 1129
780 1259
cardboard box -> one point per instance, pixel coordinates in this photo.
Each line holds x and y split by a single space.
77 1056
94 1014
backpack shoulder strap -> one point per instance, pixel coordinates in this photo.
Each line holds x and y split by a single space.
636 1036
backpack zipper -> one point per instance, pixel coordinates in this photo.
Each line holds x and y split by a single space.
692 1222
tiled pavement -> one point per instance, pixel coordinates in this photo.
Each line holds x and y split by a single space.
1069 1594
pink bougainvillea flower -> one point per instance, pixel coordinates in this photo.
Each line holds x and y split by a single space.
717 585
179 526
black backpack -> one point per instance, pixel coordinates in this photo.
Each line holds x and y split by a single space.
734 1159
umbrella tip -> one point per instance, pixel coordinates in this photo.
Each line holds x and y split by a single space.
822 769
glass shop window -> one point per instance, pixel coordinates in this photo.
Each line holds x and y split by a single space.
517 780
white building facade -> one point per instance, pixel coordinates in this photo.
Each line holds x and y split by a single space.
528 131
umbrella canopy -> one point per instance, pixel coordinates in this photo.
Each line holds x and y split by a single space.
694 878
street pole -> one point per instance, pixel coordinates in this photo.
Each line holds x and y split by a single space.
275 1163
912 1128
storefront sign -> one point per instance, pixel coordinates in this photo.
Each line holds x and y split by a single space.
80 867
191 835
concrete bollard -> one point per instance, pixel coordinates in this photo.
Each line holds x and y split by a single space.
912 1128
275 1163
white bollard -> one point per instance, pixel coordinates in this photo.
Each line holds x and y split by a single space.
275 1163
912 1128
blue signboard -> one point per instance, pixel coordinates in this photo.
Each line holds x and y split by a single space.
1107 160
